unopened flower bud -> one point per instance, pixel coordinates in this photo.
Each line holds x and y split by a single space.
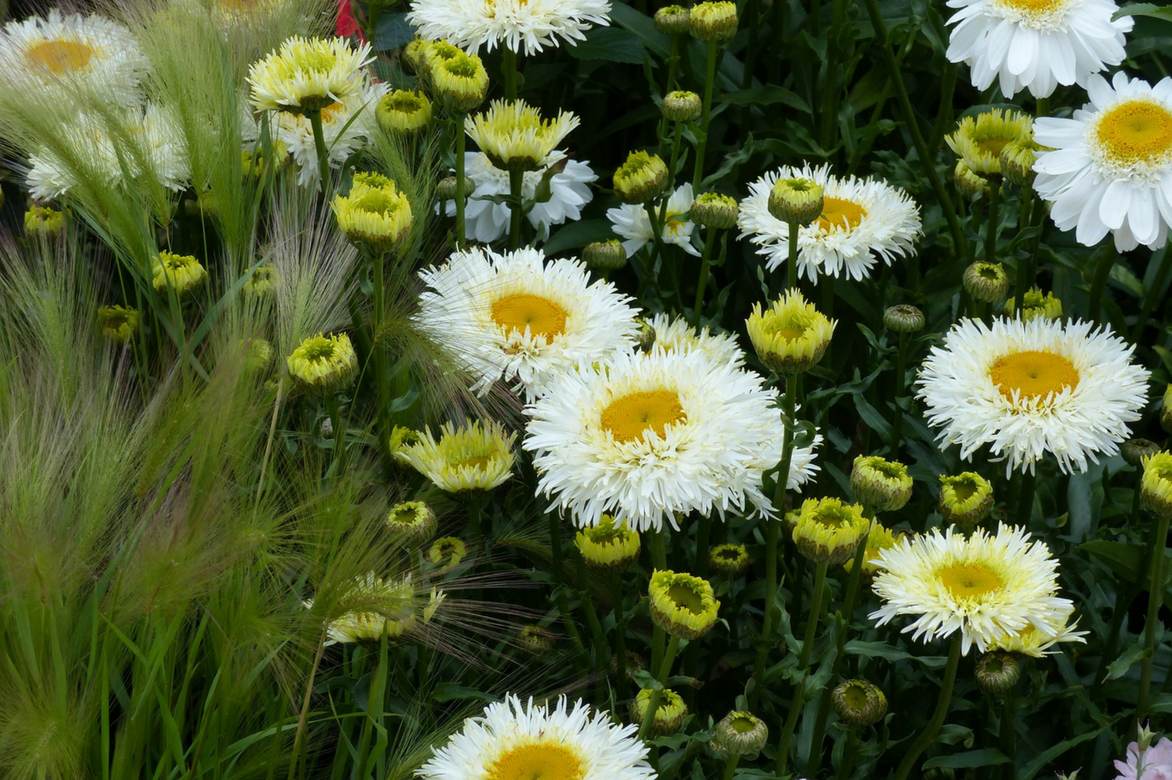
445 189
43 221
1155 486
903 318
740 733
672 20
641 177
714 21
986 282
859 703
118 323
604 256
403 111
1035 304
880 484
711 209
968 182
1166 412
535 639
608 545
669 714
998 672
681 106
1135 450
1017 161
965 499
796 200
683 605
411 521
729 558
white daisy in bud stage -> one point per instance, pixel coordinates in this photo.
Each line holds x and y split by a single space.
653 435
631 223
1035 44
487 220
522 318
862 221
1109 167
992 588
308 74
54 56
1025 389
523 26
347 126
513 740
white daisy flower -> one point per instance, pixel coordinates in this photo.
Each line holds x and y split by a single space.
675 334
862 220
519 317
989 587
523 26
1025 389
1110 166
102 152
650 436
1035 44
487 220
517 741
802 468
55 55
631 223
347 126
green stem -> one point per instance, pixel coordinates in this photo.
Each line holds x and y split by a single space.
705 115
1025 500
1155 598
516 206
1153 295
460 205
1099 281
509 69
703 535
944 699
1009 735
319 144
730 766
555 546
798 703
993 219
705 261
664 671
1026 268
900 371
848 755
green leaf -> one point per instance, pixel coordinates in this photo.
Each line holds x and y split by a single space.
610 45
578 234
1146 9
969 759
889 653
1127 659
766 96
392 32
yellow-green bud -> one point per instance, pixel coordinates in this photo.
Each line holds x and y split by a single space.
681 604
180 273
859 703
986 282
535 639
415 53
608 545
880 484
411 521
118 323
1155 486
261 281
739 733
714 21
43 221
604 256
729 558
714 210
968 182
965 499
323 363
795 200
681 106
258 354
903 318
1135 450
1017 161
1166 412
403 111
828 530
998 672
642 177
459 81
447 552
672 20
446 188
374 215
669 713
1035 304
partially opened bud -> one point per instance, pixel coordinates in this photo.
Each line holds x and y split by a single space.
859 703
740 733
998 672
986 282
605 256
796 200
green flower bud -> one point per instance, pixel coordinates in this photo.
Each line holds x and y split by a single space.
1017 161
965 499
859 703
43 221
796 200
968 182
669 713
986 282
643 176
998 672
118 323
714 21
672 19
729 558
604 256
681 106
711 209
880 484
903 318
1035 304
1135 450
403 111
739 733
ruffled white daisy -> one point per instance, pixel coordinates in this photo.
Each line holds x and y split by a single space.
347 126
1110 166
1036 644
1025 389
676 334
517 741
55 55
986 586
1035 44
145 143
650 436
802 468
862 220
519 25
631 223
519 317
487 220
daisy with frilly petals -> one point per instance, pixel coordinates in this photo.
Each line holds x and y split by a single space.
517 741
650 436
1035 44
676 334
631 223
1109 167
1025 389
522 26
986 586
347 127
862 220
518 317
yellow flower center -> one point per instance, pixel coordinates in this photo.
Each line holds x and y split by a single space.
59 55
538 761
542 316
1033 374
685 598
992 146
969 580
472 462
1034 6
631 416
838 213
1136 131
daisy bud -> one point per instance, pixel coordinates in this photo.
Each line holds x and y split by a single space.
258 355
1135 450
880 484
669 714
791 335
607 545
978 140
43 221
713 22
374 215
411 521
476 455
968 182
261 281
1155 486
965 499
739 733
304 75
681 106
447 552
796 200
1017 162
415 54
515 136
729 558
641 177
460 81
381 607
403 111
445 189
1035 304
986 282
682 605
859 703
118 323
535 639
711 209
180 273
1166 412
879 539
603 256
829 530
998 672
323 363
672 20
903 318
